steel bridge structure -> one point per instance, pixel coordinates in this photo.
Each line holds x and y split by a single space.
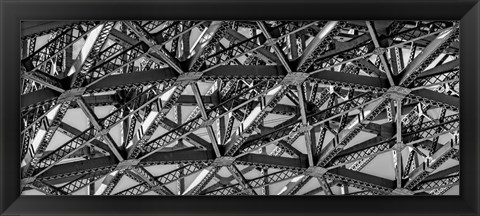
240 107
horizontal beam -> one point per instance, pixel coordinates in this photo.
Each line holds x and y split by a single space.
99 100
274 161
435 96
363 177
211 100
64 171
233 71
134 79
383 130
440 69
249 71
38 96
143 78
113 99
376 82
179 156
173 157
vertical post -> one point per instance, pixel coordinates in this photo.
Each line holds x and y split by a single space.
398 150
307 134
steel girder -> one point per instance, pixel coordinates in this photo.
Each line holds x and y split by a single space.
275 104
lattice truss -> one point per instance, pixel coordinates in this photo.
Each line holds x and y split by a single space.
231 108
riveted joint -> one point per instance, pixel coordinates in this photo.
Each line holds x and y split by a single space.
189 77
71 94
208 122
271 41
399 145
295 78
103 132
155 48
305 128
397 92
26 75
223 161
27 181
127 164
379 51
315 171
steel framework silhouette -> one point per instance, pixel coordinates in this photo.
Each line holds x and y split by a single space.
235 107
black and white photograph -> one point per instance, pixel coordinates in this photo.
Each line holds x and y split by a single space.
232 107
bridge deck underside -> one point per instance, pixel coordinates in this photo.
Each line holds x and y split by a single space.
240 107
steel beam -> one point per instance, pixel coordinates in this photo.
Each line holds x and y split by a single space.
440 69
158 75
270 100
201 181
380 52
281 56
163 107
197 59
241 179
44 79
154 47
362 180
261 53
153 183
308 133
310 52
37 97
83 63
108 122
424 59
73 132
193 124
211 134
432 163
192 138
439 97
397 156
94 121
380 145
249 82
351 130
253 159
175 175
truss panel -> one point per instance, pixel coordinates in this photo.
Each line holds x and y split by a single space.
240 107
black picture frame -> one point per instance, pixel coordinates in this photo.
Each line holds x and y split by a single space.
13 11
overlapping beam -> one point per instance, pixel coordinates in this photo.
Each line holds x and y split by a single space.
83 63
145 68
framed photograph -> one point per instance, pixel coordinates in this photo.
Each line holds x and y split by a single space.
239 108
